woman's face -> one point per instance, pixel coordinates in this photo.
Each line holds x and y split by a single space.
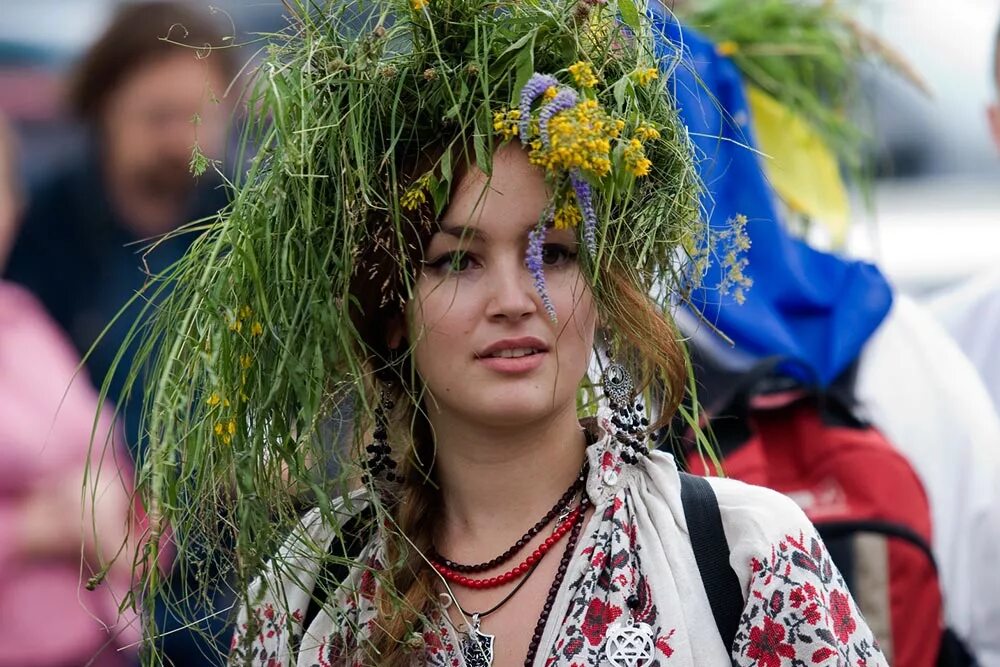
483 344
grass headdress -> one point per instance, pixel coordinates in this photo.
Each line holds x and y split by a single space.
365 116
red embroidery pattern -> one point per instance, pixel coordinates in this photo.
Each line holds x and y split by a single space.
440 650
602 592
257 641
799 612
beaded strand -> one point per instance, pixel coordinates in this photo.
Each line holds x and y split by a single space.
536 637
514 573
557 509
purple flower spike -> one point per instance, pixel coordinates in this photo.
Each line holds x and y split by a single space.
585 200
564 99
533 260
537 84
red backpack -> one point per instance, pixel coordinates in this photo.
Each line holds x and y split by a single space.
861 493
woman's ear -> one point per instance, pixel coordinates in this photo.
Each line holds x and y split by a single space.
396 332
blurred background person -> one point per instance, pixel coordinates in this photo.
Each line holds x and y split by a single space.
971 311
60 501
150 94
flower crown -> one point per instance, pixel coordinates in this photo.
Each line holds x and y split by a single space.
574 139
578 143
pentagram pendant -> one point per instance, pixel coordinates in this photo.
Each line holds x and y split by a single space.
477 647
629 645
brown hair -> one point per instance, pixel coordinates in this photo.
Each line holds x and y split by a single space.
141 33
647 342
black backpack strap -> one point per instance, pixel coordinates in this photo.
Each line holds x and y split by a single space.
711 552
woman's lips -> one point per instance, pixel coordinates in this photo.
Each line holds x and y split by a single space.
514 365
514 356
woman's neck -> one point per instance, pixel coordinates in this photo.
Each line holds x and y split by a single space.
496 482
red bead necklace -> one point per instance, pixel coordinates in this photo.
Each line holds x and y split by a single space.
493 582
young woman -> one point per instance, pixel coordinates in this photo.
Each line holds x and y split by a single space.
455 204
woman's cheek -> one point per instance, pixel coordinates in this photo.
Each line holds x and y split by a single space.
575 302
441 310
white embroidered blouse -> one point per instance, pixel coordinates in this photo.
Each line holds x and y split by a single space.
797 608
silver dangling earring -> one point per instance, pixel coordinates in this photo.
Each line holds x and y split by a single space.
380 465
627 415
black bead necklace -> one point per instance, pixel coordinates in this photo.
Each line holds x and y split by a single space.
574 536
477 646
556 510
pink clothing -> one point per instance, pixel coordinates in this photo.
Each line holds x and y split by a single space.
46 421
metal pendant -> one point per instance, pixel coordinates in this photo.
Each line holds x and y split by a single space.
617 385
629 645
477 647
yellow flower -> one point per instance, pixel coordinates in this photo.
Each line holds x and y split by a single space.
416 195
644 76
550 93
413 198
245 312
256 329
214 399
246 361
579 138
236 326
583 74
727 48
646 132
635 158
225 431
568 215
506 123
417 5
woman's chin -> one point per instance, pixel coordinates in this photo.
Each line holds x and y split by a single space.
513 409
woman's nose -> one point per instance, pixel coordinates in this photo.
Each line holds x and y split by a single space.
512 291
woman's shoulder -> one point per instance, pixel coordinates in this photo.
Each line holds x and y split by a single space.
764 528
756 513
322 545
749 513
346 512
756 520
318 530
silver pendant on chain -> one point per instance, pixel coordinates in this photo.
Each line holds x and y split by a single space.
477 647
629 645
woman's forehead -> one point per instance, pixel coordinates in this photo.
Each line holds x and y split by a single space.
511 199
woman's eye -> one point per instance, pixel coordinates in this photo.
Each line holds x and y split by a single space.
451 262
556 254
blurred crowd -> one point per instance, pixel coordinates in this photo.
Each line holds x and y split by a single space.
77 247
149 114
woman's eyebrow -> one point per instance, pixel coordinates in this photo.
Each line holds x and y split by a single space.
464 232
